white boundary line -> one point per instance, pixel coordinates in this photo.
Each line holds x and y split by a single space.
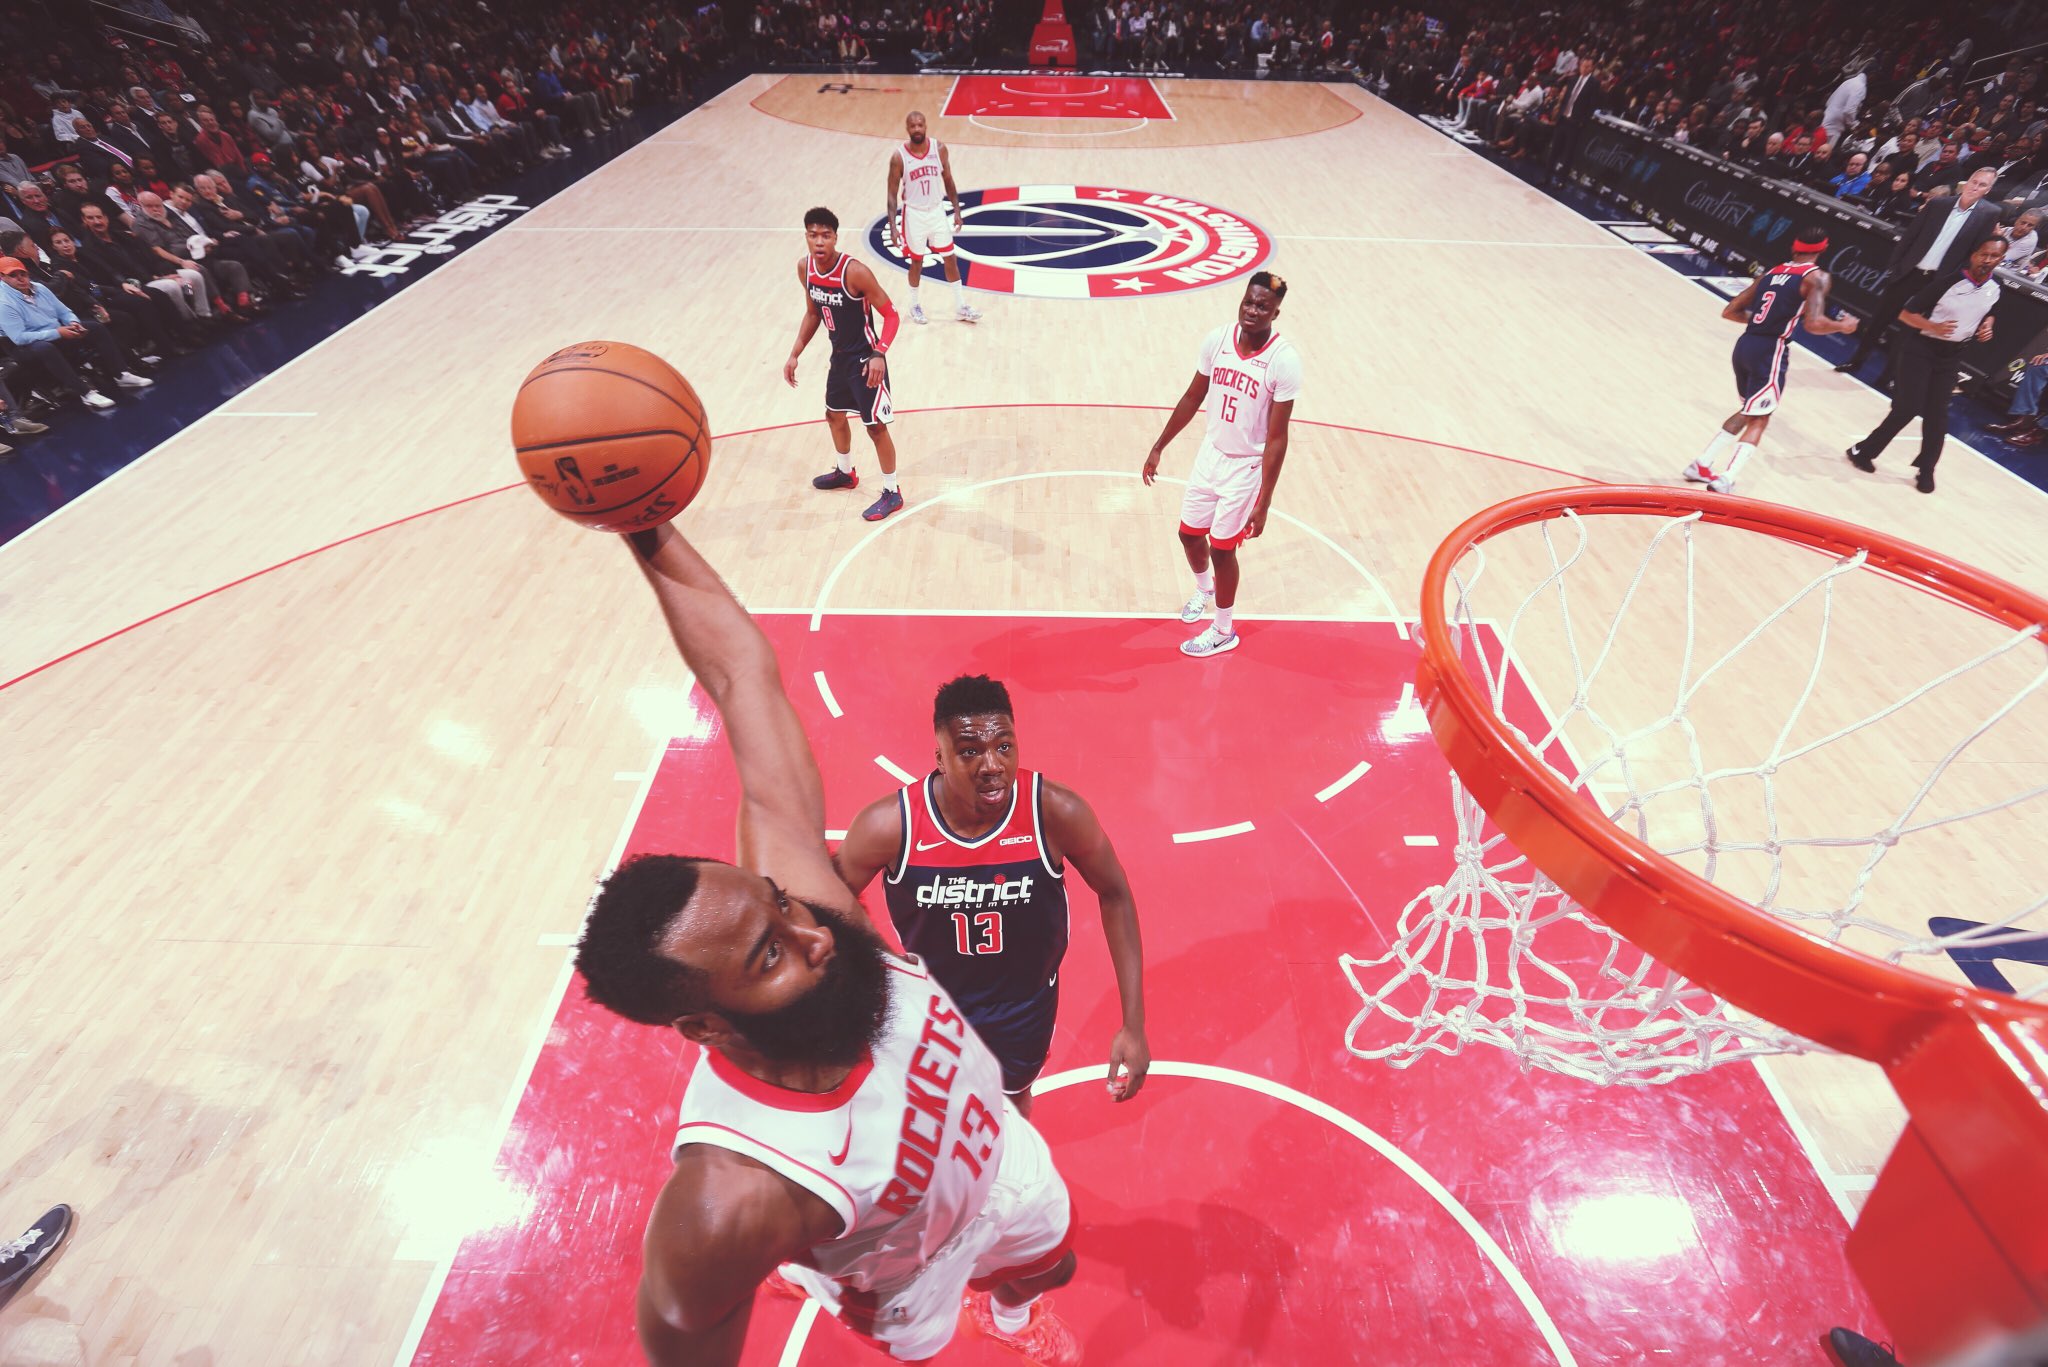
1357 772
1835 1182
889 767
1213 833
1421 841
825 692
440 272
1489 1248
825 592
1160 91
431 1296
244 413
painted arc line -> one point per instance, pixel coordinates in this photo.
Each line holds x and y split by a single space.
1213 833
825 692
1054 94
890 768
1429 841
883 528
1357 772
975 119
1488 1247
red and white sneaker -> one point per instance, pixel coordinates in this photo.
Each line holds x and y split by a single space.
1699 474
1045 1341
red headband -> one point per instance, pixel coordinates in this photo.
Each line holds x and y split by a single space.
1802 247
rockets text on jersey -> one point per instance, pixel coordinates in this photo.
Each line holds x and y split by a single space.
1780 299
903 1151
924 179
846 316
1244 386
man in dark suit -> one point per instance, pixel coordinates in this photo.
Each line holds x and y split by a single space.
1936 243
96 156
1583 97
121 131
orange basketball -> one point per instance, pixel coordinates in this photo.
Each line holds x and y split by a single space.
611 437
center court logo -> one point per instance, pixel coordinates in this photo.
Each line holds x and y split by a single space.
1092 242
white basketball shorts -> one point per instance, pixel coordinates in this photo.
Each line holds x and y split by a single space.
925 232
1025 1230
1221 492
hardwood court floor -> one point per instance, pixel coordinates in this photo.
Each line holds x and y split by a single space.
279 864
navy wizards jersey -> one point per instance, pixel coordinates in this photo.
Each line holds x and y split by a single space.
846 316
1779 300
988 916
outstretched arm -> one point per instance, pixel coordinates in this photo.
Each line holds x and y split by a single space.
782 806
1183 413
1078 836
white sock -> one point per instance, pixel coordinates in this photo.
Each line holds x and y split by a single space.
959 294
846 462
889 481
1716 448
1223 621
1743 451
1011 1319
1205 580
914 288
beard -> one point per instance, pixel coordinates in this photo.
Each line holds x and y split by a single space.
837 1021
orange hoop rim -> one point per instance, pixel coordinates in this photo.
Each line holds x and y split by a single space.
1834 995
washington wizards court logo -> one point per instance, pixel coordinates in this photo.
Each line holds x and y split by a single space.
1091 242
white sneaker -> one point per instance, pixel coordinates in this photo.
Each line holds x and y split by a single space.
1721 484
362 251
1699 474
1197 607
94 399
128 379
1210 642
968 314
917 314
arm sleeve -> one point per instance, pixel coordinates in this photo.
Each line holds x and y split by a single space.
1206 360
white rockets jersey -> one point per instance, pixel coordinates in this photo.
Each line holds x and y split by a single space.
905 1150
1243 388
924 179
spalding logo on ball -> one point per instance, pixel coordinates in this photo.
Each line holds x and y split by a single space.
611 437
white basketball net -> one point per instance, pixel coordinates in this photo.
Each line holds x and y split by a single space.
1499 955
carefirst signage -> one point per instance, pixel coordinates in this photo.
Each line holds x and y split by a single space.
441 237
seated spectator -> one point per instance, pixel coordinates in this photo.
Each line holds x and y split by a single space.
63 118
33 212
1853 179
13 171
285 254
120 131
144 323
1944 173
1896 201
186 289
2022 425
1796 163
1747 148
121 190
337 235
267 125
216 149
1520 110
171 150
71 194
2022 240
46 335
180 242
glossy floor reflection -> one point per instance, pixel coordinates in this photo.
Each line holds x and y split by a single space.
1223 1220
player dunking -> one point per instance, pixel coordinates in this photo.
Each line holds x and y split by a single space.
844 295
1775 303
844 1122
920 188
1249 376
975 855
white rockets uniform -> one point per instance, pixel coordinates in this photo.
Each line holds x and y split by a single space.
938 1182
1224 485
924 227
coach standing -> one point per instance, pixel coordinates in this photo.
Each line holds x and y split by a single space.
1945 317
1934 247
1583 96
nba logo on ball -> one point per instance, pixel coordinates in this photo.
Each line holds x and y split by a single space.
1092 242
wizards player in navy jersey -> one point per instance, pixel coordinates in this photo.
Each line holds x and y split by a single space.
974 857
843 295
1775 303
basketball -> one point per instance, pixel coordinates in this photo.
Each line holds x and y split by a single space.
610 436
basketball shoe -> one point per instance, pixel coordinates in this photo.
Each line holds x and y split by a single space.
1210 642
917 314
837 479
1851 1349
20 1257
968 314
1045 1339
1697 473
1197 607
888 503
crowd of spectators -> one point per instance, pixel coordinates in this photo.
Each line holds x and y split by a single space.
155 196
962 33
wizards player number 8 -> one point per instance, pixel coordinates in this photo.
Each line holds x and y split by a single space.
990 926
